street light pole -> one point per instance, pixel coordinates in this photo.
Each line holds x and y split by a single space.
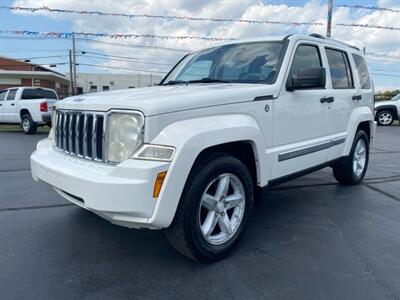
329 21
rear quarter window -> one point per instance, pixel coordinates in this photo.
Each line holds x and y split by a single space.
362 71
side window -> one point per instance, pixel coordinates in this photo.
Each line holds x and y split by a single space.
198 70
306 56
11 94
3 95
362 71
340 69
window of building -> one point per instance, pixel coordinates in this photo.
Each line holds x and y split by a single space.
106 88
340 69
11 94
362 71
79 90
93 88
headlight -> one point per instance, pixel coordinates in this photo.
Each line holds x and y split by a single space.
124 135
155 152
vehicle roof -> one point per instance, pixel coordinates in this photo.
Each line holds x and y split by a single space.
28 87
292 37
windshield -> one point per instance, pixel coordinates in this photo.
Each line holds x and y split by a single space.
395 98
29 94
256 62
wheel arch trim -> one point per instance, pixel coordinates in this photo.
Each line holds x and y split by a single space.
190 138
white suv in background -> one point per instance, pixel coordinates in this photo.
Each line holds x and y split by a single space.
189 154
28 106
386 112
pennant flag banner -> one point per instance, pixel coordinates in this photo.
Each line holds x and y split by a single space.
108 35
368 26
370 8
131 16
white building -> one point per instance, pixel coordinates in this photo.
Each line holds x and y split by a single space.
94 82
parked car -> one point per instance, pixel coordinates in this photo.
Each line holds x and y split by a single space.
28 106
189 154
386 112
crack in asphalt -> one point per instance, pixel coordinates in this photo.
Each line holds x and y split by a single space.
382 192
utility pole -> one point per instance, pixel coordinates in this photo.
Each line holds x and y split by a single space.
71 76
329 21
74 62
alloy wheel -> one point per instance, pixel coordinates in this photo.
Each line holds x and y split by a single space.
222 208
359 157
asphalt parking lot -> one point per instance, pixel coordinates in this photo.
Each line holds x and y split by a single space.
308 239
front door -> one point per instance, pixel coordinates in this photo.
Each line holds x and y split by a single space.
10 110
300 120
2 98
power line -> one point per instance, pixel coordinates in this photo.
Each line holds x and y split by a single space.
126 45
40 57
386 75
123 58
118 68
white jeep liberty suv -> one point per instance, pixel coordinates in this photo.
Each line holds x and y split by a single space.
189 154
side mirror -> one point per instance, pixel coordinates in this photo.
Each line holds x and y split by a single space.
307 78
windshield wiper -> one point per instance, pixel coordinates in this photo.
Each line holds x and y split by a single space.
208 80
172 82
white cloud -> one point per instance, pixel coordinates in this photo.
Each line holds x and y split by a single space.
385 42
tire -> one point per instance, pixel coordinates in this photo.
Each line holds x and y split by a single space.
27 124
186 234
385 118
347 170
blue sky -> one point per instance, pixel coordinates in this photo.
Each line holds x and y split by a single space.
380 41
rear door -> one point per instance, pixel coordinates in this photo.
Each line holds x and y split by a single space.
342 88
2 98
10 107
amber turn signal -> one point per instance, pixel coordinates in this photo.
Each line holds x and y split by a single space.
158 184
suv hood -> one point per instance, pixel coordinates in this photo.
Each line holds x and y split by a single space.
165 99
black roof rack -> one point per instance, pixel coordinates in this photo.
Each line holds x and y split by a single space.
316 35
319 36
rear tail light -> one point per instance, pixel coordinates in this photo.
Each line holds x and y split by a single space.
43 107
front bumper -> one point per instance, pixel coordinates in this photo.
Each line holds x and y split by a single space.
122 194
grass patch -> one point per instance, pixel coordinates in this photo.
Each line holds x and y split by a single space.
17 128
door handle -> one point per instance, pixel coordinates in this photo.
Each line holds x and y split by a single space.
357 97
12 104
327 99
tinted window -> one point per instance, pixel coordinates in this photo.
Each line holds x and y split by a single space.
11 94
256 62
340 69
362 71
29 94
2 95
306 56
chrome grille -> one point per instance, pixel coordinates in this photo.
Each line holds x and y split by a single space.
81 133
